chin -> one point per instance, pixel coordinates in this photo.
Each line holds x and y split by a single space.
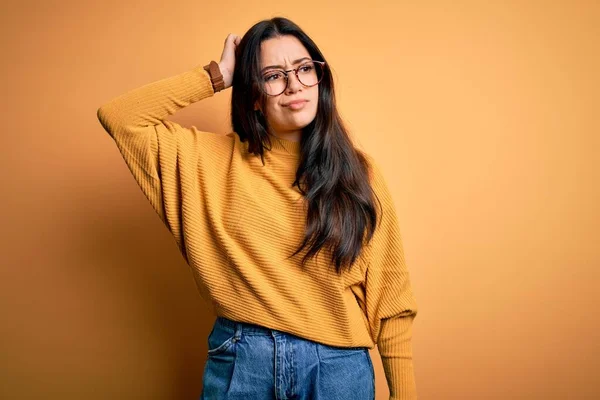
299 121
301 125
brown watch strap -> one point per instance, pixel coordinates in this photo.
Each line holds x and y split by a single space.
215 76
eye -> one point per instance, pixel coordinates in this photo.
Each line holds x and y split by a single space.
306 68
273 77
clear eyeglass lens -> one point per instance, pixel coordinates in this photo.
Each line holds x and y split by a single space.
275 81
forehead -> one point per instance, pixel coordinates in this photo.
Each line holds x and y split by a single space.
282 50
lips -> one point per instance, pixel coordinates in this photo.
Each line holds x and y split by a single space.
294 102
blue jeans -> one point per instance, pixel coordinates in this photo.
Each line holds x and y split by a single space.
252 362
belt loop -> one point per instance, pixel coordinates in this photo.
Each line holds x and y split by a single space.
238 331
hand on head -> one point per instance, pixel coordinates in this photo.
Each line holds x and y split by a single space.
227 62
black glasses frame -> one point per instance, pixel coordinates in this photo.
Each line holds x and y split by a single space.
287 81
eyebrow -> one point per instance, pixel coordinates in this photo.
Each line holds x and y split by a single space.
281 66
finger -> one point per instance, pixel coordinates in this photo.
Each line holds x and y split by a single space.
227 46
232 38
230 42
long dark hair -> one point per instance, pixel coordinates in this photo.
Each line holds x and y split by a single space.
334 174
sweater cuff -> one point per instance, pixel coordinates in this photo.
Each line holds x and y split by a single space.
203 83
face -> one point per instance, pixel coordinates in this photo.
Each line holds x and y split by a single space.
286 120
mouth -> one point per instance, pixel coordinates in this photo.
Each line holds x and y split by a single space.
296 105
294 102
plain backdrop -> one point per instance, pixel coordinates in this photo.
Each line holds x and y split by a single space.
483 115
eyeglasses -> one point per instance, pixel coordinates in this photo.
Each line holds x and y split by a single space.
275 82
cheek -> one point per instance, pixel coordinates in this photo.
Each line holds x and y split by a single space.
273 110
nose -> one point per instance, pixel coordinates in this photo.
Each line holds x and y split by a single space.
293 83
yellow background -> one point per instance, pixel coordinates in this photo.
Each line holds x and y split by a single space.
483 115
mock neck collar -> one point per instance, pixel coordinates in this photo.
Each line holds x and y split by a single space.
284 146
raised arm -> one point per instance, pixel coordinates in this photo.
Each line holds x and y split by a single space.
168 161
149 105
139 110
147 141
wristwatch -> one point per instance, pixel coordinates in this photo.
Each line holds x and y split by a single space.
215 76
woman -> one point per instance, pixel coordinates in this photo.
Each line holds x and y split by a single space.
278 222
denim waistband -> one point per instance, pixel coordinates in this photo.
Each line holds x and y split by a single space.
239 328
247 328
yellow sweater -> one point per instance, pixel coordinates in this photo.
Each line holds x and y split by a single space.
236 222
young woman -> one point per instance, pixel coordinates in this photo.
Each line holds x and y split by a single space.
278 221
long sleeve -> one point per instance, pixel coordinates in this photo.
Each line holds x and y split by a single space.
164 157
391 306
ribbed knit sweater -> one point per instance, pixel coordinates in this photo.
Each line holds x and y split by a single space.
236 222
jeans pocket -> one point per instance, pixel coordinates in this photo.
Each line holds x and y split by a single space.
345 372
220 340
